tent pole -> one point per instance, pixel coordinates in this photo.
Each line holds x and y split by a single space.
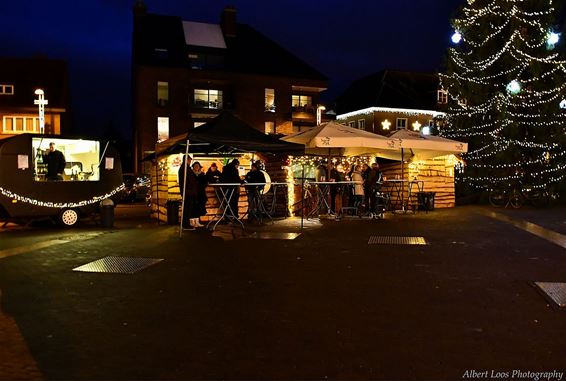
303 198
402 178
184 190
157 184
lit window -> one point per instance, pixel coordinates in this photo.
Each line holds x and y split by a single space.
162 93
269 127
162 129
198 124
442 96
362 124
82 158
302 103
6 89
401 123
352 124
208 98
20 124
270 100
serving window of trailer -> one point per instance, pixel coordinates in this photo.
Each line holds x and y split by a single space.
81 159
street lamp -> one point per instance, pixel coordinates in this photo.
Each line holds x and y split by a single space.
41 102
319 111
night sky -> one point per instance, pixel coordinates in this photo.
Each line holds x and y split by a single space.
345 40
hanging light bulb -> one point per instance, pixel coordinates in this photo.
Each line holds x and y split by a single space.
514 87
456 37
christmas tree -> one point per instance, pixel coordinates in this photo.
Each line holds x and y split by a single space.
506 84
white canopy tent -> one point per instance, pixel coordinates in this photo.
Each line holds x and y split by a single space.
413 145
335 139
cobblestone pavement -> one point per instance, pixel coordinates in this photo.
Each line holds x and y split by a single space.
325 304
16 361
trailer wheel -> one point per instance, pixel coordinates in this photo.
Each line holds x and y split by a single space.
68 217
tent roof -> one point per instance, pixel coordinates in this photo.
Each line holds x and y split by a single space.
227 134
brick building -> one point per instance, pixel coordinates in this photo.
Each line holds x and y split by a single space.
391 100
19 79
185 72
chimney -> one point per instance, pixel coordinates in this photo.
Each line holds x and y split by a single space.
139 8
228 21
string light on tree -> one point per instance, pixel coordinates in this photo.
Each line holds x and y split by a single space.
512 83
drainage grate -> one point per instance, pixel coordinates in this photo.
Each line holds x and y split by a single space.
393 240
118 265
555 292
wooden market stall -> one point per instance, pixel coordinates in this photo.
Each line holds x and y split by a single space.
220 140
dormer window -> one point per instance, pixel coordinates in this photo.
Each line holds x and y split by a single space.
6 89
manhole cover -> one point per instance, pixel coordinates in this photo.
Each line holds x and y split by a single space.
554 291
394 240
118 265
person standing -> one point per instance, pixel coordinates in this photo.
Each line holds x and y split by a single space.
373 183
335 189
190 193
213 174
231 175
55 161
254 191
358 188
202 182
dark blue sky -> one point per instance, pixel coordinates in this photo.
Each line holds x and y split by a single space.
344 40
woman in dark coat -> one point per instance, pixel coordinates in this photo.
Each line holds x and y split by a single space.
191 194
202 182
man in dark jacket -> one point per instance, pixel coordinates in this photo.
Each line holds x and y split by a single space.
190 193
55 161
231 175
213 174
373 183
254 176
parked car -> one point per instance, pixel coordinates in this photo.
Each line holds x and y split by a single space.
137 188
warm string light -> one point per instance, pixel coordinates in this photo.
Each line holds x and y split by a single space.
59 205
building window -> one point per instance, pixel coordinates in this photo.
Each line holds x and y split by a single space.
401 123
442 96
302 103
20 124
162 93
269 127
6 89
352 123
362 124
198 124
162 129
208 98
270 100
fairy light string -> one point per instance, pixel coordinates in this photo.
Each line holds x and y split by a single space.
506 84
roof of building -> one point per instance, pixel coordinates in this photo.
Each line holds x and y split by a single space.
29 74
391 88
202 34
168 40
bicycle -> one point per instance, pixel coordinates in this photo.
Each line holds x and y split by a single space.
518 195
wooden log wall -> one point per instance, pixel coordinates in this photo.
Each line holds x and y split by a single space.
437 175
165 187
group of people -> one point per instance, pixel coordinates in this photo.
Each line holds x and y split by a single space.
197 181
366 184
195 191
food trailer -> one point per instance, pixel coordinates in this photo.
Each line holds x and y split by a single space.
92 173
